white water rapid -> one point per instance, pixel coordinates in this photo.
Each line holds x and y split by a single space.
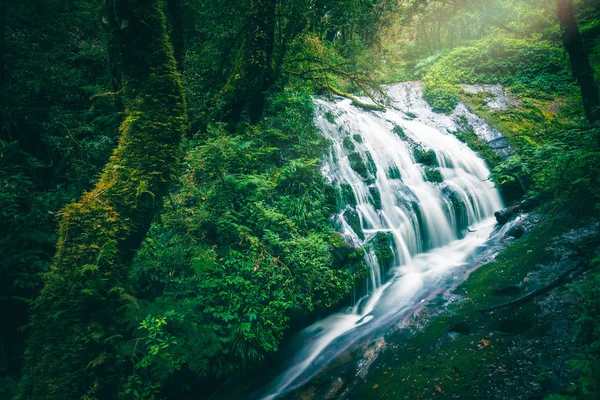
403 176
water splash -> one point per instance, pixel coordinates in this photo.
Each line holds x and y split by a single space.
400 173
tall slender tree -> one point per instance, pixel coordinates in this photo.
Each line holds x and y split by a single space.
76 322
580 63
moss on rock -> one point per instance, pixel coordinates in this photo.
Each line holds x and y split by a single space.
348 144
425 157
433 175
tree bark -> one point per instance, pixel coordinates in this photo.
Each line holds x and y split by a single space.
249 79
580 63
175 10
77 321
3 12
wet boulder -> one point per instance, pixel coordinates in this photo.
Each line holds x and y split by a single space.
425 157
341 250
399 132
382 244
353 220
433 175
346 195
348 144
516 231
375 197
366 170
394 173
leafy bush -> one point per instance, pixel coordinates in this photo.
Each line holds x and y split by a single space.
443 97
251 214
567 167
587 362
425 157
535 66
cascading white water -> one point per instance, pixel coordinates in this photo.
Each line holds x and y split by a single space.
434 215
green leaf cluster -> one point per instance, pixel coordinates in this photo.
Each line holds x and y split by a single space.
245 243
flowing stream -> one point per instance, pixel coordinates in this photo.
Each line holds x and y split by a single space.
406 181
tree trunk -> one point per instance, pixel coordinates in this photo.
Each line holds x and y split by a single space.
249 79
77 322
580 63
175 10
3 11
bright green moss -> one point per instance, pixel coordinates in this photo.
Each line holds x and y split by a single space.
425 157
76 320
433 175
442 97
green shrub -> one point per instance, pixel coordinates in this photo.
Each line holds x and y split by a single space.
442 97
251 214
564 168
537 67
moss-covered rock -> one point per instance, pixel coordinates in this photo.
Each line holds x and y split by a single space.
341 250
394 173
457 354
371 166
367 171
441 96
352 219
375 197
433 175
381 244
348 144
399 132
467 135
425 157
357 164
410 115
347 195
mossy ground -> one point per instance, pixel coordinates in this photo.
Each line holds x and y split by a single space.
526 119
517 352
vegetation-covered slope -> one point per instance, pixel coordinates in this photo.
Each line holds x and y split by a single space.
162 291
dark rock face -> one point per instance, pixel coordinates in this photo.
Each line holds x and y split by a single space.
516 231
341 249
500 143
352 218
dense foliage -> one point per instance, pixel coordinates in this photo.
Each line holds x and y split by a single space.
261 207
162 290
250 214
517 45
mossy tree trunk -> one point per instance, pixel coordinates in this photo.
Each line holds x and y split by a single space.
77 321
580 63
175 10
3 10
251 74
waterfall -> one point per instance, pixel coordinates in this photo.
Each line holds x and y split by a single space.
403 176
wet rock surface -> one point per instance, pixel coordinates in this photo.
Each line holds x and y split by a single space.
497 98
